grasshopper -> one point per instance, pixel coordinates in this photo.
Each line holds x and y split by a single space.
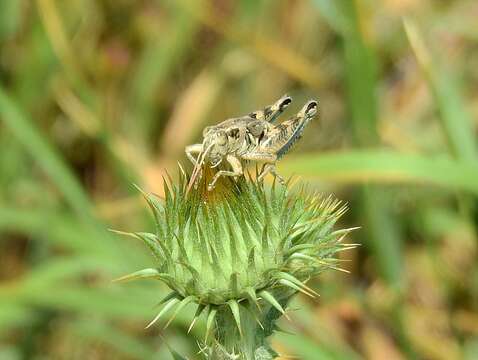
253 137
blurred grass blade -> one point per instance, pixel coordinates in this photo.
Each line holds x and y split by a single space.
63 230
382 233
104 333
361 81
361 78
13 314
333 12
28 135
455 119
307 349
61 45
270 51
155 65
360 67
34 70
189 113
10 17
378 166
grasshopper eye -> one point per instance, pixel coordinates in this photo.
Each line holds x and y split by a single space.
256 128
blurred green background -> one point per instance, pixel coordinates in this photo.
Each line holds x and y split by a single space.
98 95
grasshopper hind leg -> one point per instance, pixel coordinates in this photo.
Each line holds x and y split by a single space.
270 168
271 113
291 130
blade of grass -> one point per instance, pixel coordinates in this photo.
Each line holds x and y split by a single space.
269 50
155 65
455 118
81 102
61 44
10 18
383 167
86 120
456 121
100 331
65 232
361 79
307 349
23 129
190 112
333 13
12 315
382 233
34 70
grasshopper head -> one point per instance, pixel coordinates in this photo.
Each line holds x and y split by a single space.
216 143
214 148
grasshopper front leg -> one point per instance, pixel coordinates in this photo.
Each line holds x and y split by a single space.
236 171
194 149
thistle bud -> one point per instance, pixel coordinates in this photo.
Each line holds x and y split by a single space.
239 253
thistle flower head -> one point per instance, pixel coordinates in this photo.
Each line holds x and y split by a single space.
240 249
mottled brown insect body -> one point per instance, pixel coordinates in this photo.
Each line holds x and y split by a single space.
250 138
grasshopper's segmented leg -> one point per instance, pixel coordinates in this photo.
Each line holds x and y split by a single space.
193 149
260 156
271 113
291 130
270 168
236 171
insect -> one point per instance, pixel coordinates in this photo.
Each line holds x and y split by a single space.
254 137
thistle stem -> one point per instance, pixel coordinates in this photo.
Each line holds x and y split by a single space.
249 344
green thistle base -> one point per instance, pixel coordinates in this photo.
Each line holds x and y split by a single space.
239 252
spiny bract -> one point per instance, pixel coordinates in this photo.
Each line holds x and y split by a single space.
242 246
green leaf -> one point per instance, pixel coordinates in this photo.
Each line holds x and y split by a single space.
180 306
294 287
234 284
210 320
251 294
140 274
171 295
198 313
297 282
234 306
171 303
176 355
267 296
156 247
